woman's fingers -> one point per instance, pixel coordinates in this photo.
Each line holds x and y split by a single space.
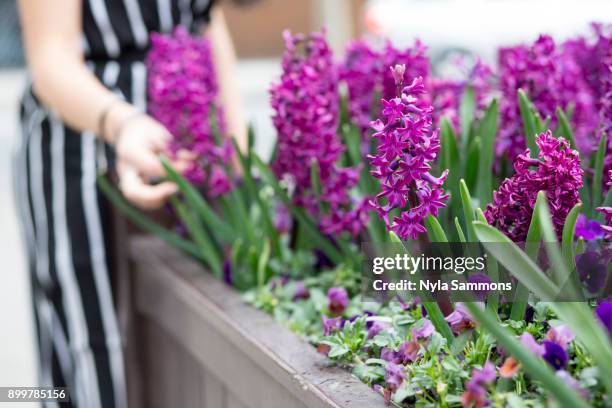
144 195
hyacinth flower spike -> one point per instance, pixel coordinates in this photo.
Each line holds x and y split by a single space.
407 147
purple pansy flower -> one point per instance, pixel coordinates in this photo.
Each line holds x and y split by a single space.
562 335
409 351
376 327
592 270
475 391
330 325
589 230
555 354
460 319
337 300
394 376
301 291
604 314
531 344
424 331
573 383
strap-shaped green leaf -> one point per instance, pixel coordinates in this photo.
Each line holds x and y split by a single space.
533 365
197 202
488 131
529 124
145 222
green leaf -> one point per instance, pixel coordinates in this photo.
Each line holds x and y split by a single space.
262 264
264 207
145 222
433 310
488 130
467 108
436 233
598 171
528 122
560 273
534 236
199 235
515 261
197 202
309 226
567 240
468 210
536 367
565 128
459 231
471 166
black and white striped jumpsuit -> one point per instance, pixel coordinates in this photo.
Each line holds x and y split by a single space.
65 218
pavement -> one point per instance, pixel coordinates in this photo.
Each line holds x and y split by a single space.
17 351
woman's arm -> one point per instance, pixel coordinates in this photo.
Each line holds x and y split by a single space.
225 64
61 80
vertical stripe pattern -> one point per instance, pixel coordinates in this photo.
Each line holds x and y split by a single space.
64 217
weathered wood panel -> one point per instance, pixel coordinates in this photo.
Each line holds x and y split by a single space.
202 346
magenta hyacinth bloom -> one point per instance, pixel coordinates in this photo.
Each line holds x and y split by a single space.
413 62
362 72
337 300
555 355
551 78
604 314
556 171
306 103
407 148
446 94
182 90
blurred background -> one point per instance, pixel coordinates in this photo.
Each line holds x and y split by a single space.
446 26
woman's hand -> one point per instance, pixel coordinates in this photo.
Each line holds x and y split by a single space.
138 144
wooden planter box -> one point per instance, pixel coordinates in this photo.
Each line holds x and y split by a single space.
193 342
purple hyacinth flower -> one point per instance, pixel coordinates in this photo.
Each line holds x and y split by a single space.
556 171
394 376
407 146
555 355
589 230
604 314
337 300
529 342
183 96
306 100
331 325
424 331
